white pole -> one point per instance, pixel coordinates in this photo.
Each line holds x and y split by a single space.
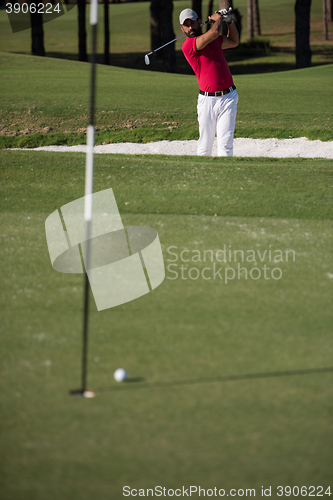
89 188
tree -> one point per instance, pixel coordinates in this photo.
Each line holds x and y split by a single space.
197 7
250 30
225 4
256 18
81 6
210 12
302 33
330 10
161 31
253 19
37 34
325 18
106 33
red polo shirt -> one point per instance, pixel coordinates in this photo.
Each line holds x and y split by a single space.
209 65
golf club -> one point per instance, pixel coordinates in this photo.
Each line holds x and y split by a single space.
147 60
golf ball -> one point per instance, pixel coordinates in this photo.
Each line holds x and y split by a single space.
120 375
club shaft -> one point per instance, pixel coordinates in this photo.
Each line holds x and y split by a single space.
162 46
171 41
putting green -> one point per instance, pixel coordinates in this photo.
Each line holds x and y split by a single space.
230 382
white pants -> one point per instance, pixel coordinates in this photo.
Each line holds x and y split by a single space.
217 114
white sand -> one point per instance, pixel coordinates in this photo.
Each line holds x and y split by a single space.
273 148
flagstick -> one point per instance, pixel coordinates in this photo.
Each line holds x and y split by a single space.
88 209
88 220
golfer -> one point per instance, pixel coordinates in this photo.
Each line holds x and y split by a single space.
217 101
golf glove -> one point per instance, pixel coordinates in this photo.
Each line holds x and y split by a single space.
226 15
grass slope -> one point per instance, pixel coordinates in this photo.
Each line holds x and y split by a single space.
236 377
130 40
45 101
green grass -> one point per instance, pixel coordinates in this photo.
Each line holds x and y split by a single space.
45 100
139 106
234 379
233 390
292 188
131 40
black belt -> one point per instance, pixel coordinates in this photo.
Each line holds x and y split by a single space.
219 93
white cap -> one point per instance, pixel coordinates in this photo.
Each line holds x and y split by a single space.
187 14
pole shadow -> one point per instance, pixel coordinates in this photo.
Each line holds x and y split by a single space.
141 384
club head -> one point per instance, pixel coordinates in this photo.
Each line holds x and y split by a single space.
147 61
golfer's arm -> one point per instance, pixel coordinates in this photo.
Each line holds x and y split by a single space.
232 39
209 36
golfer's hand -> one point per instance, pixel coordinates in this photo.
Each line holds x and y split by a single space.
226 15
215 17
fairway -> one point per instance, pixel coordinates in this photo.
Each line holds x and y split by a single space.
230 373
